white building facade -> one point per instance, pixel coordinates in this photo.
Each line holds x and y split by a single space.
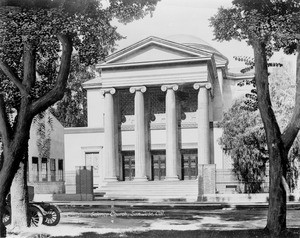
152 121
46 156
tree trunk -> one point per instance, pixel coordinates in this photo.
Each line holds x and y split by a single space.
19 199
2 205
12 151
6 177
15 139
276 221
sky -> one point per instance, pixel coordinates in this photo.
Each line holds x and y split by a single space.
190 17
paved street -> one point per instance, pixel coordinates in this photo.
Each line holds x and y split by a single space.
119 221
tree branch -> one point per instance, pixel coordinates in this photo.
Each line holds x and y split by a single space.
290 132
13 77
29 66
57 92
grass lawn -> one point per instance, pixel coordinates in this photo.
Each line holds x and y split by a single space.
290 233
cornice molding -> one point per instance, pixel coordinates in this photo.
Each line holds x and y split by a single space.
83 130
155 63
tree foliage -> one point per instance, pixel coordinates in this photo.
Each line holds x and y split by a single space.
274 22
244 140
268 25
71 111
244 136
37 38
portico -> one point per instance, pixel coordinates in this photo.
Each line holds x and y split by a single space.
141 134
157 84
154 104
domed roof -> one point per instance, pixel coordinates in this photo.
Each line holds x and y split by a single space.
195 42
186 39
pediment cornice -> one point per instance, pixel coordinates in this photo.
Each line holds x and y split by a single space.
154 49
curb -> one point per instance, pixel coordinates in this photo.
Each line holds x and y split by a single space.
107 205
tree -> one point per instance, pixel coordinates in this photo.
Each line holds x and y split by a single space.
37 39
243 139
268 25
243 134
71 111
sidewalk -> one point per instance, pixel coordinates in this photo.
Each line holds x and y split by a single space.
106 204
139 219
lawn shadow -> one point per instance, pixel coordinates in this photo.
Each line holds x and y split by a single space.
254 233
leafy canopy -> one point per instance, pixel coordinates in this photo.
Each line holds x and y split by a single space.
274 22
244 137
38 23
71 111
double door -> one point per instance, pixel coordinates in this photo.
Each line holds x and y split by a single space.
159 165
128 165
189 164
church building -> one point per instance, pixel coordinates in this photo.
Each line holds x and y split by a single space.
153 116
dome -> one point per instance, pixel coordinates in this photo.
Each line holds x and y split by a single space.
187 39
195 42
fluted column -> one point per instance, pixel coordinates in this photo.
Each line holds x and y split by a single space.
171 130
109 131
140 133
203 122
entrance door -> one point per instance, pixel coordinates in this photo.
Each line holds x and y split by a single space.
159 166
128 165
190 164
93 159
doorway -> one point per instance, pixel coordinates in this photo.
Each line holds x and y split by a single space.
189 164
128 165
159 165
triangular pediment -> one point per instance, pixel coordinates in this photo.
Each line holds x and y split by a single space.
154 49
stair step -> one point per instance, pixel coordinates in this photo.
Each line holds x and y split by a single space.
149 190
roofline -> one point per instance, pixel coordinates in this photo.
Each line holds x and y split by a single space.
87 85
238 76
160 41
149 63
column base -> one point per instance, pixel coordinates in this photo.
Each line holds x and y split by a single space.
171 178
140 179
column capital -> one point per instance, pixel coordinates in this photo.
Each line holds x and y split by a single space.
174 87
139 88
197 86
208 86
107 90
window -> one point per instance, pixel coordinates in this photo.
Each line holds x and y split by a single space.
52 169
35 169
60 174
44 171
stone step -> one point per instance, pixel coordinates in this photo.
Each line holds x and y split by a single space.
178 191
153 183
146 189
151 190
